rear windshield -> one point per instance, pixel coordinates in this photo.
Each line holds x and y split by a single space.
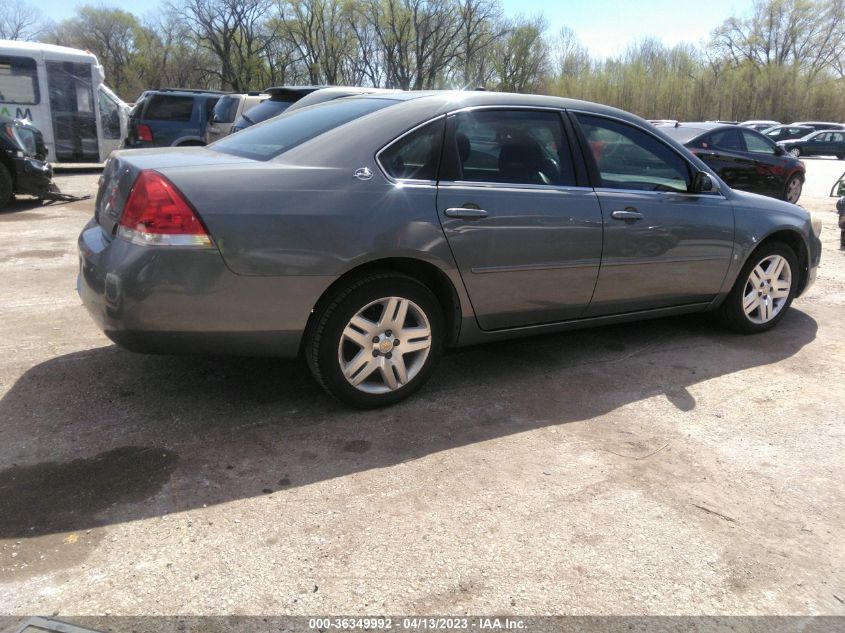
265 110
682 134
267 141
168 108
226 109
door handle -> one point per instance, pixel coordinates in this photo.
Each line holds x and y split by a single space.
629 215
465 213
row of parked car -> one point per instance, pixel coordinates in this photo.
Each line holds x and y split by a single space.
180 117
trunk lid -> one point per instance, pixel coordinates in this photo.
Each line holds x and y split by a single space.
123 168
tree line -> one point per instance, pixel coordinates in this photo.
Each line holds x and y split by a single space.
785 59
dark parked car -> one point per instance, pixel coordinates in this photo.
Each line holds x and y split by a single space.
170 118
786 132
281 98
23 166
744 158
370 233
822 143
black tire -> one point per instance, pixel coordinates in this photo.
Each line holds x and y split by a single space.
840 157
788 185
6 187
731 313
323 338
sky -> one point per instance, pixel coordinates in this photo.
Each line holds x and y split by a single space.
606 27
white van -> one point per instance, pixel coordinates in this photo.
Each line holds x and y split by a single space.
61 91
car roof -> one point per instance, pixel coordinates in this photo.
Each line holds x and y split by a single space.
687 131
189 92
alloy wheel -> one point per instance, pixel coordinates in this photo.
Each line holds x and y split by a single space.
793 190
384 345
767 289
795 152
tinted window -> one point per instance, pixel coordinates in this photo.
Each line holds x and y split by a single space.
726 139
209 107
265 110
18 81
226 109
109 116
267 141
628 158
509 147
757 144
415 156
167 108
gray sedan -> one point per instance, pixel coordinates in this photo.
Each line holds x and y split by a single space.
371 233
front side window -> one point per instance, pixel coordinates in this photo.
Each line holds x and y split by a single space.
757 145
168 108
18 80
266 141
522 147
415 156
629 158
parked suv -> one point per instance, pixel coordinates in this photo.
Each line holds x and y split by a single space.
228 110
170 117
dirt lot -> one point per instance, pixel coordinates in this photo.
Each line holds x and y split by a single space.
661 467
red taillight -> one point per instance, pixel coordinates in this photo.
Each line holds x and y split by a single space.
157 213
145 133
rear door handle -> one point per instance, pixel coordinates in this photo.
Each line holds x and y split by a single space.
465 213
629 215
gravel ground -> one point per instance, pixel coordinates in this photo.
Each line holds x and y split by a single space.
664 467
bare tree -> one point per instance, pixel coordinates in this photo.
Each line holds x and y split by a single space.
20 20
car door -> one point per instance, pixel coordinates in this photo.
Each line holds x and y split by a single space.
525 233
838 144
724 151
663 246
818 145
768 176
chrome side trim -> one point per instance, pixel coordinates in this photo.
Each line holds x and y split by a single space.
580 263
638 261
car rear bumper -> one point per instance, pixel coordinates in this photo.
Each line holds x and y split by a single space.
170 300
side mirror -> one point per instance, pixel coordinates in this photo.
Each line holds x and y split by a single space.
838 190
779 151
704 183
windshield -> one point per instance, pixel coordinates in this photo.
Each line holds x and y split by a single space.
263 142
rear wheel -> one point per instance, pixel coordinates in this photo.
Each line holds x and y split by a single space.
840 156
792 192
763 291
376 340
5 187
796 152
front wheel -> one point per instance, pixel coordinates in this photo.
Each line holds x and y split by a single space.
376 340
794 187
796 152
763 291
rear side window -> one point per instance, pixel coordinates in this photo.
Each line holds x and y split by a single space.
628 158
18 80
522 147
169 108
225 110
209 108
727 139
263 142
415 156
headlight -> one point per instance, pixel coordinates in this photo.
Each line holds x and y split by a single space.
816 222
